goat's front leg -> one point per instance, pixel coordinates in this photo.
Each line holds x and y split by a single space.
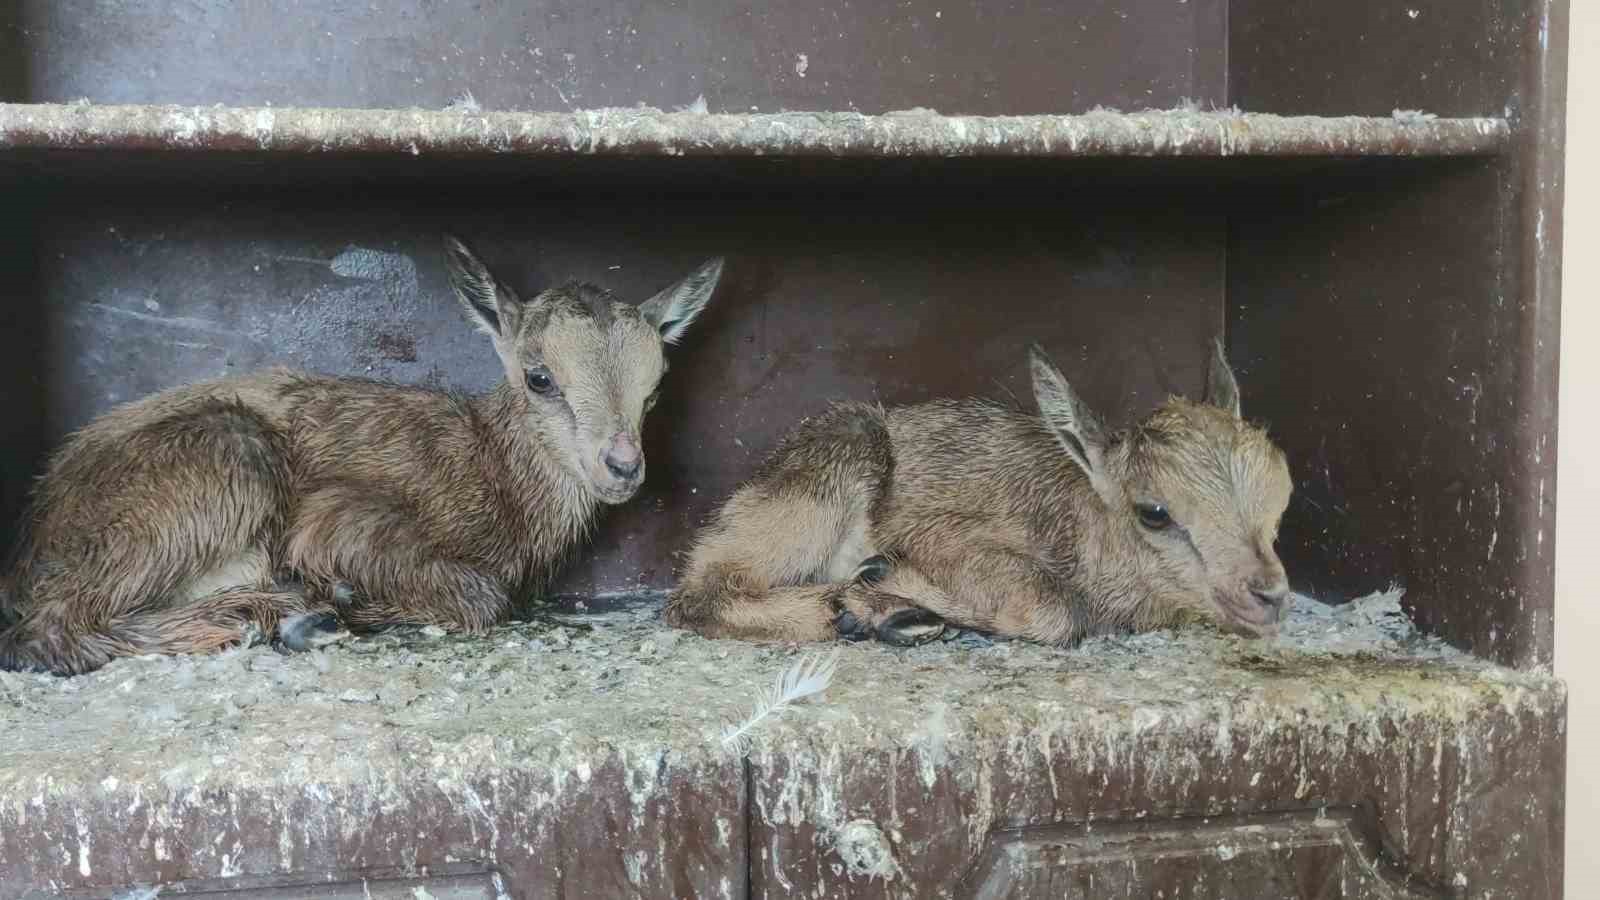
377 570
453 596
870 609
988 589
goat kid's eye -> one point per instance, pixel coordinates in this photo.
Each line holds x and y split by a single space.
1153 516
540 382
650 401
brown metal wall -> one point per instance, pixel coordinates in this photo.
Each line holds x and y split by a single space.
960 56
1405 330
1392 385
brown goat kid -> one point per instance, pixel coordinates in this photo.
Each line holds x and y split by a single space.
286 502
888 524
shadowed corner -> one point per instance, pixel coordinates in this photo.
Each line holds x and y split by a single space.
24 363
22 324
14 87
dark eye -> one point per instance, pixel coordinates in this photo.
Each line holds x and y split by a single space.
1153 516
540 382
650 401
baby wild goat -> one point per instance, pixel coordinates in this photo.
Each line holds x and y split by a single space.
285 502
889 523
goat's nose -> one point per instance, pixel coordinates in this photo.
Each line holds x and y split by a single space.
623 458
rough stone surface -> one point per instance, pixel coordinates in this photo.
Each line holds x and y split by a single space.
643 131
581 756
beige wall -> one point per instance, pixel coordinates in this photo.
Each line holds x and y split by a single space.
1578 459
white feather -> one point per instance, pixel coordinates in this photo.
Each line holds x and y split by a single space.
698 106
1413 116
463 102
809 676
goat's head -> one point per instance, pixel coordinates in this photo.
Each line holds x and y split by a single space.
587 364
1193 494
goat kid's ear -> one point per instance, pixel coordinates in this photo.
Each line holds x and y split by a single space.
1222 389
1079 430
672 310
491 305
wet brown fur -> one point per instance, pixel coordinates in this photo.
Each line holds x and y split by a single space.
180 522
995 519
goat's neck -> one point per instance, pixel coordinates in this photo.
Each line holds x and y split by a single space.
1128 577
1112 583
1080 550
556 506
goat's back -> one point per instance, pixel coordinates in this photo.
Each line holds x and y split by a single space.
974 469
262 392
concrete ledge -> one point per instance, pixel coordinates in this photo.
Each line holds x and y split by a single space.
585 760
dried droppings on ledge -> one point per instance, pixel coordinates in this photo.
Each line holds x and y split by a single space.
647 132
668 689
620 723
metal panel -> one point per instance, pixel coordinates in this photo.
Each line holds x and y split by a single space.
965 56
1425 434
1394 386
1314 855
480 885
1307 57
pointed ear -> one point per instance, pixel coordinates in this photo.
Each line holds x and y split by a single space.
1076 426
673 309
1222 389
490 304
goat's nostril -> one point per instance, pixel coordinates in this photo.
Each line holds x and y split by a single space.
623 466
1271 598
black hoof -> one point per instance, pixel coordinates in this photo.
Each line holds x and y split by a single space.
344 595
12 659
910 628
308 631
852 628
873 569
289 582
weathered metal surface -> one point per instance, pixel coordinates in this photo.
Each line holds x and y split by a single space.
1317 854
971 56
1302 57
447 882
651 132
1406 434
1534 239
1424 433
580 763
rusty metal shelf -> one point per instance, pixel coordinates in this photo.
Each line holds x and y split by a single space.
652 133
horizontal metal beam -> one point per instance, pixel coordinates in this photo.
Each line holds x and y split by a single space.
646 132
